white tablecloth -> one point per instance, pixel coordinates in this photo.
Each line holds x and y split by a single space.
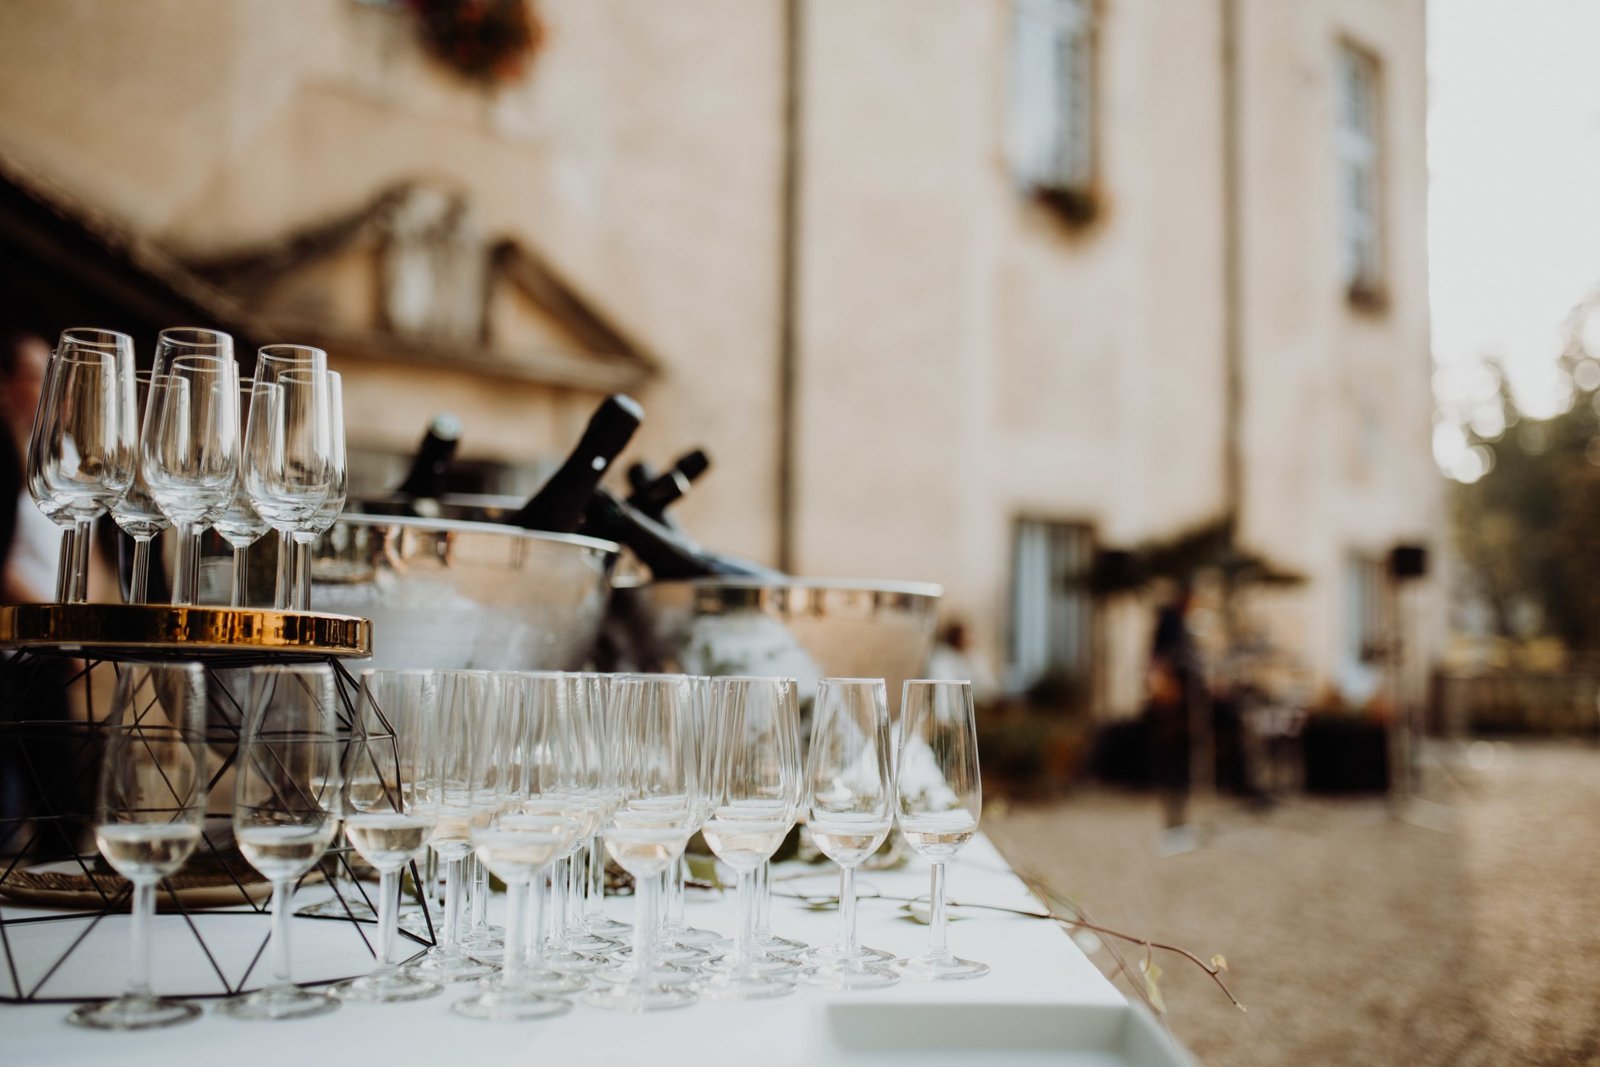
1044 1002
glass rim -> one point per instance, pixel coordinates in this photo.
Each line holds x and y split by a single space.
852 681
718 678
118 338
291 353
939 681
194 337
200 359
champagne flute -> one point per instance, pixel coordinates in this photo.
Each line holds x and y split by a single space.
287 460
86 442
648 832
137 512
338 485
286 794
754 786
680 940
469 704
939 797
48 505
389 809
197 343
189 453
239 524
602 706
150 807
571 775
850 810
310 367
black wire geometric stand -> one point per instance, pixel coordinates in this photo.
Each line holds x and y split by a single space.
63 912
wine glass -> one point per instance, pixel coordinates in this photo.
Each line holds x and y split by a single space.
137 512
849 811
86 442
189 452
939 796
754 786
149 809
272 362
469 707
518 844
286 796
389 809
680 940
646 834
595 920
338 485
48 505
239 524
176 342
571 772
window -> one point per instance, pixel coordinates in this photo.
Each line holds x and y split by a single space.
1052 101
1359 178
1051 635
1366 631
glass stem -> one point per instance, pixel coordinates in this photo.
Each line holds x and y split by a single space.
745 955
644 924
594 907
66 567
764 899
676 876
144 910
82 539
535 938
139 588
239 575
388 920
558 892
511 967
480 895
847 911
280 595
281 917
575 892
936 923
302 573
450 946
183 572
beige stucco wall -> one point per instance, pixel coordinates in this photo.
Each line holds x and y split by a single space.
963 358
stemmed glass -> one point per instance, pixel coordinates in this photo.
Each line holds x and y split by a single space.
287 460
49 506
577 776
602 709
338 487
239 524
754 786
682 942
189 452
939 796
86 443
137 512
646 834
192 342
150 807
390 788
850 810
469 711
287 791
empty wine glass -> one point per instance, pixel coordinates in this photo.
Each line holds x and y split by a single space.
176 342
681 941
239 524
149 809
49 506
754 786
595 919
311 367
389 809
137 512
338 486
850 810
648 832
939 796
86 441
286 796
469 706
572 773
189 452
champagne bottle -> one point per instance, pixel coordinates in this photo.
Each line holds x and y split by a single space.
425 479
666 552
560 504
660 493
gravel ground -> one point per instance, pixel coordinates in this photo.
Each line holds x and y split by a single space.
1461 934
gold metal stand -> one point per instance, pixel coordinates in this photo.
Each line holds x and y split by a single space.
168 629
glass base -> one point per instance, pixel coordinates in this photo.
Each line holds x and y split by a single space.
414 922
286 1002
351 907
386 987
669 952
605 926
693 936
457 967
572 962
745 985
588 944
134 1013
640 997
845 975
946 967
510 1005
826 954
546 982
666 974
772 946
781 946
771 966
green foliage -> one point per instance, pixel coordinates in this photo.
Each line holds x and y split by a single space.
1209 546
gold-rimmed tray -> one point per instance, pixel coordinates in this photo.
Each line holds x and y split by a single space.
136 630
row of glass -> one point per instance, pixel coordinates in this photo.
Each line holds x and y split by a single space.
166 448
524 770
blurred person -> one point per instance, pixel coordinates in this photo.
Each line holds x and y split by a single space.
29 570
1174 686
952 658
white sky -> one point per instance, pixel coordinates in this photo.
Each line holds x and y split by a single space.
1514 195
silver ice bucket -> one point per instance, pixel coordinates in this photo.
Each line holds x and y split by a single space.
448 594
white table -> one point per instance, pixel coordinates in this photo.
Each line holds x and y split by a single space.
1044 1002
